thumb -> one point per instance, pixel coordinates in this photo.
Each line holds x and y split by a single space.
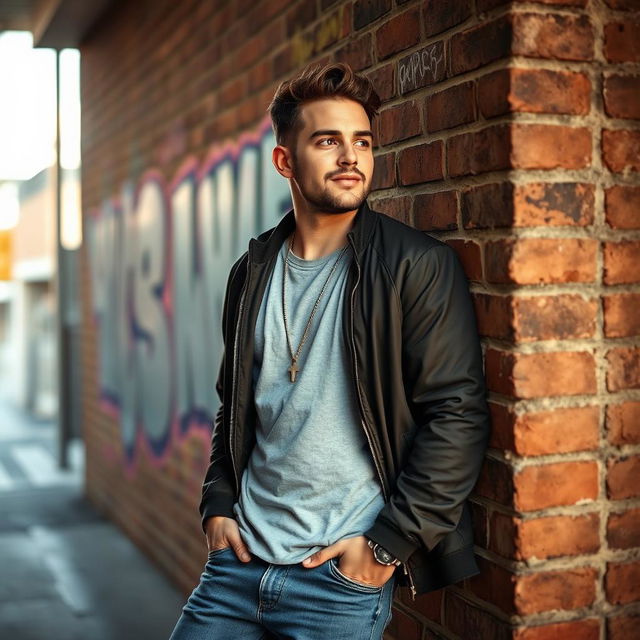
239 547
322 555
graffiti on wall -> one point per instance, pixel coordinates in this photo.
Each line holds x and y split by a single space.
159 255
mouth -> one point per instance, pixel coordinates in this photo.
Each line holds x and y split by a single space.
348 180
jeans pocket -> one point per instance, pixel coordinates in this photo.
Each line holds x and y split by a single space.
216 552
360 587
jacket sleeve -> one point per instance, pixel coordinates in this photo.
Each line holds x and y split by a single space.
218 495
445 386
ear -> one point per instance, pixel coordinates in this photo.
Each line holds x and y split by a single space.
281 158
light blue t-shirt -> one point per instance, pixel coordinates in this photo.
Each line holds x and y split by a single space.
310 480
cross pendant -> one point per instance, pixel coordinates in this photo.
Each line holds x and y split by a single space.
293 370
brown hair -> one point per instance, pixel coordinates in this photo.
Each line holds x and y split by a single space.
333 80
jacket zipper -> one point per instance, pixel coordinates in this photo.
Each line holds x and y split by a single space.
234 380
405 566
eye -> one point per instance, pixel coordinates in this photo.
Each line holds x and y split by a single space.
365 143
321 142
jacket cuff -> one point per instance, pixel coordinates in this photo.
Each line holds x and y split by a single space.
220 504
393 541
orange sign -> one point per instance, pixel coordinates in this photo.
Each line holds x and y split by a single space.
5 254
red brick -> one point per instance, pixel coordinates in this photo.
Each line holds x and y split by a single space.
533 91
470 257
574 630
384 171
402 626
556 536
622 41
487 206
623 423
624 5
557 317
479 151
564 483
564 589
495 482
621 95
621 264
494 584
480 524
541 260
622 315
494 314
522 375
532 204
470 621
624 627
622 477
542 146
452 107
478 46
399 123
621 150
398 207
429 605
553 204
398 33
421 163
623 529
544 35
560 430
259 76
622 206
540 538
622 582
357 53
624 369
383 80
440 15
485 5
436 210
367 11
502 534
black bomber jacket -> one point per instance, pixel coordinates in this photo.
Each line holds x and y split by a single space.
417 372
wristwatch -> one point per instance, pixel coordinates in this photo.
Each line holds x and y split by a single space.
382 555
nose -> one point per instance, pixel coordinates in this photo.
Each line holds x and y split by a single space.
348 156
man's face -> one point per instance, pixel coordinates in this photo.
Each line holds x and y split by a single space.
332 155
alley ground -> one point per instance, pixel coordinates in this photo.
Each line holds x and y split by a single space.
65 572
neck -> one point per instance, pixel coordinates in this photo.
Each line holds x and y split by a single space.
319 234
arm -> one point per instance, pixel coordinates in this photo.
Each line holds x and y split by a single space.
444 382
218 493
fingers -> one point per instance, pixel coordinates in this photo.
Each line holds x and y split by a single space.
224 532
236 543
322 555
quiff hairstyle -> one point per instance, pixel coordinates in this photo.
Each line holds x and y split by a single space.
333 80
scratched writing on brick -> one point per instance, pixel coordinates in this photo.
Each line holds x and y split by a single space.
421 68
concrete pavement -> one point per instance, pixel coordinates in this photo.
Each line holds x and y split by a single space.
65 572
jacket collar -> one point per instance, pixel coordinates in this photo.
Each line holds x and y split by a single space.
268 244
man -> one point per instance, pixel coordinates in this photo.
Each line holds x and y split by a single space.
353 420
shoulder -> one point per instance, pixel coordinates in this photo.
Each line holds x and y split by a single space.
402 246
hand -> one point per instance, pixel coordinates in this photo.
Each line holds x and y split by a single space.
224 532
356 561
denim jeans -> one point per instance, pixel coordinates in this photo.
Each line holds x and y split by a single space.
258 600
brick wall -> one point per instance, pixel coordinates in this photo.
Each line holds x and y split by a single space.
510 130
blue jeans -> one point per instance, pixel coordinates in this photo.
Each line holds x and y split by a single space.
258 600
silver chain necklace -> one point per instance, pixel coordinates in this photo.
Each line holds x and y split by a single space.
294 369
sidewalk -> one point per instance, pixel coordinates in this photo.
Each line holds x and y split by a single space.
65 572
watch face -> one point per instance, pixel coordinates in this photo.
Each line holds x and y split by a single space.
383 556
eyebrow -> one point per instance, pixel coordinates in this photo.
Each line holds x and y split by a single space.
335 132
